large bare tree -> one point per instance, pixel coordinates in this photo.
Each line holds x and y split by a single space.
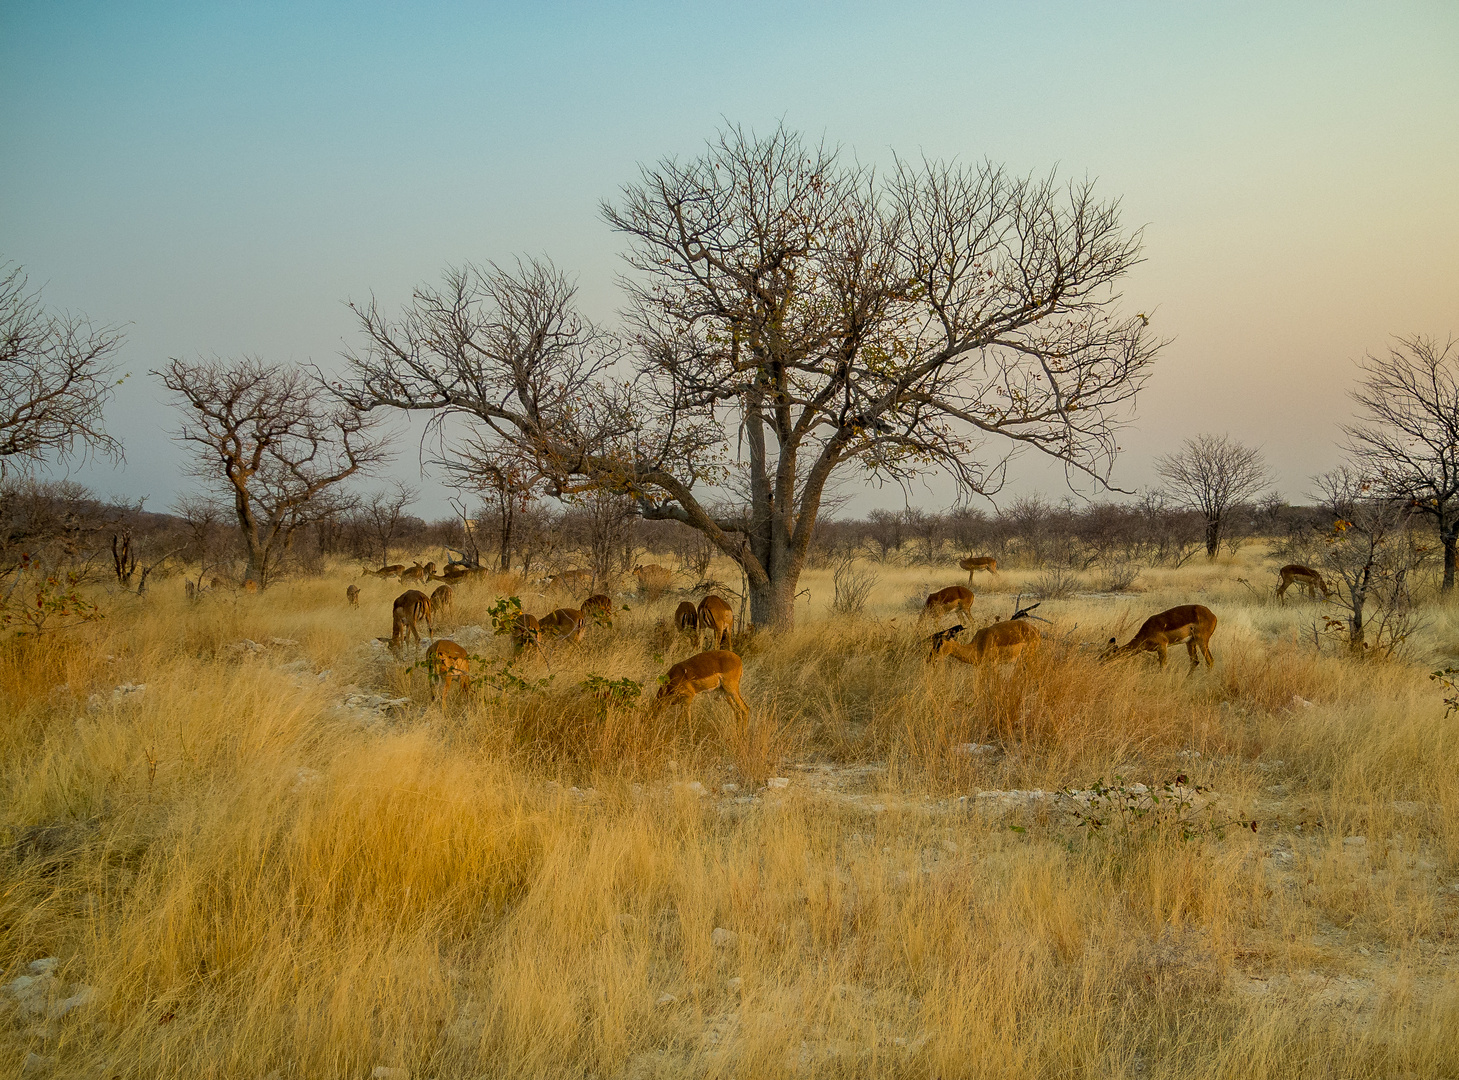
1407 435
1211 474
790 313
272 442
57 372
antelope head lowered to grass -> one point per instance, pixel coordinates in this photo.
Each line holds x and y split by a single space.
1002 641
1306 578
1189 624
409 609
717 669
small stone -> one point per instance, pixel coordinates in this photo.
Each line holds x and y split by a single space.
877 808
778 783
1189 755
1299 702
35 1063
722 938
82 996
969 749
695 787
1363 952
665 1000
1354 841
282 642
733 985
729 789
43 965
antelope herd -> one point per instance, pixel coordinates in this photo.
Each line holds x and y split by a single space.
719 668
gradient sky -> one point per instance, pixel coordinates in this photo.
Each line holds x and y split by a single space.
221 178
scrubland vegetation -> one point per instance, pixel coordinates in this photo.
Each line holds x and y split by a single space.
227 823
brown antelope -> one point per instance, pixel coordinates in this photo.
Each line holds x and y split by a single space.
353 594
653 579
1308 579
974 563
717 669
564 623
250 586
393 570
718 618
1191 624
407 611
686 617
599 609
571 580
999 642
430 569
447 663
441 599
526 632
952 598
413 573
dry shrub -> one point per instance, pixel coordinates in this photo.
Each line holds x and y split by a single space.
853 585
653 581
1056 583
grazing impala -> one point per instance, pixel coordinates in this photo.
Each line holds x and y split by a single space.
653 580
442 598
414 573
717 669
1191 624
526 632
1307 578
353 594
974 563
599 609
393 570
999 642
564 623
407 611
718 618
447 663
952 598
686 617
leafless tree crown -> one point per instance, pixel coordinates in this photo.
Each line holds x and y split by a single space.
57 372
790 313
1211 474
273 443
1407 435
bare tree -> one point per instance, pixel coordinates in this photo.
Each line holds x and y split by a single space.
57 372
382 512
790 313
272 442
1407 437
1368 551
506 488
1212 474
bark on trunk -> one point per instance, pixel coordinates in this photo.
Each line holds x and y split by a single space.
1213 537
1451 543
773 603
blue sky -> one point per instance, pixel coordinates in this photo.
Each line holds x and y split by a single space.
223 177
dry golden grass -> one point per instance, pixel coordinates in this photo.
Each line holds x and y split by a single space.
258 875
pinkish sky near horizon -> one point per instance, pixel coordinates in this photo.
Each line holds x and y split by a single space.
221 178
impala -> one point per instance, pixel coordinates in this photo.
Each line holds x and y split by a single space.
407 611
353 594
686 617
413 573
653 579
571 580
447 663
1307 578
526 631
600 609
441 599
718 618
1191 624
999 642
717 669
393 570
564 623
952 598
974 563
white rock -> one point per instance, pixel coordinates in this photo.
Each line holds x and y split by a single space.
283 642
43 965
1354 841
1188 755
729 789
697 788
82 996
126 690
35 1063
877 808
1299 702
970 749
733 985
776 783
665 1000
722 938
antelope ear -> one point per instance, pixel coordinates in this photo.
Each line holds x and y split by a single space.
1111 641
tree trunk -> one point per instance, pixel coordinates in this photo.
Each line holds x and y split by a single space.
1450 539
504 533
773 604
1213 537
